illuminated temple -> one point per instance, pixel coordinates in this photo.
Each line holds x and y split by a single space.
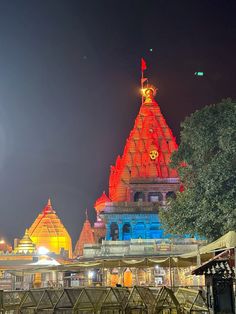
141 181
127 230
49 232
45 243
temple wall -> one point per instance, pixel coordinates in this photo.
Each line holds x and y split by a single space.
140 247
128 226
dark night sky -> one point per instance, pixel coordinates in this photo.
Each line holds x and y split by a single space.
69 83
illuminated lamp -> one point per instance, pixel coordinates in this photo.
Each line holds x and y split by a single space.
91 274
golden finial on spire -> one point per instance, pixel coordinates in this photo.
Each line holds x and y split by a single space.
149 92
86 213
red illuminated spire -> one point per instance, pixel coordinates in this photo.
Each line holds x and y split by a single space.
147 151
86 236
48 208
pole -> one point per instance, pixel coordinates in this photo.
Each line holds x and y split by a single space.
235 288
198 256
22 282
142 84
170 272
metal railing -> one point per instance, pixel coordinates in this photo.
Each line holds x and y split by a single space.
102 300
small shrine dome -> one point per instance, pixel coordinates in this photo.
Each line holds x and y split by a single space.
25 245
101 201
86 237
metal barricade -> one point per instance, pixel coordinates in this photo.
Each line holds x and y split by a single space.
102 300
191 301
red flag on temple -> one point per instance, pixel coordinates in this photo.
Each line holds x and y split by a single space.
143 65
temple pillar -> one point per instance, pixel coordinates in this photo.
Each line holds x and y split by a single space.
135 276
163 198
148 232
103 275
132 228
120 275
108 232
131 195
146 196
128 195
108 277
120 227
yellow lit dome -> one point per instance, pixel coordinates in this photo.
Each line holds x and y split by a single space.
25 245
49 232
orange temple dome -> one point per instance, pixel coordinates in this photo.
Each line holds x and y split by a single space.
101 202
48 231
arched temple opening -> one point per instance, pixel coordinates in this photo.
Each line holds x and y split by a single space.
126 231
114 231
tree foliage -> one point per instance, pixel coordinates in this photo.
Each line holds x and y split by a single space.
206 161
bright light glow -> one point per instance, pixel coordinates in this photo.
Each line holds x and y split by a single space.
156 266
142 90
91 274
2 242
43 250
46 261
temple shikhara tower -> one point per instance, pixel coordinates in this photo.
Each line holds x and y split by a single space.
86 237
140 181
48 231
144 166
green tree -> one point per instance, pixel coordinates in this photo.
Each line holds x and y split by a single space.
206 161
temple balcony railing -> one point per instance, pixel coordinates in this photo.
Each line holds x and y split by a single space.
127 207
154 180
